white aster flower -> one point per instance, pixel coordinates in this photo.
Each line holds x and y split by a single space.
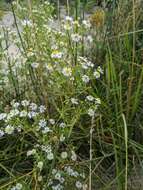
32 114
100 70
64 155
58 175
56 54
42 109
49 67
23 113
33 106
74 101
18 186
50 156
31 152
68 18
67 71
76 37
90 98
54 171
62 125
14 112
9 129
89 39
91 112
97 101
40 178
16 104
96 74
85 78
46 130
78 185
40 165
73 156
67 26
27 22
62 138
1 133
35 65
86 24
52 121
3 116
42 123
25 103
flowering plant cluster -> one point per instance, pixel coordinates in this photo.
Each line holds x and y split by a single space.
51 68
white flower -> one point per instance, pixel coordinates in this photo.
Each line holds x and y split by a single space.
42 109
40 178
33 106
97 101
49 67
73 156
56 54
58 176
46 130
96 74
62 125
64 155
14 112
85 78
78 185
84 65
3 116
62 180
1 133
68 18
62 138
90 98
19 128
86 24
50 156
67 26
9 129
76 23
18 186
25 103
54 171
89 39
40 165
74 101
90 64
70 171
46 149
16 104
52 121
42 123
32 114
67 71
31 152
23 113
91 112
76 37
35 65
27 22
100 70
